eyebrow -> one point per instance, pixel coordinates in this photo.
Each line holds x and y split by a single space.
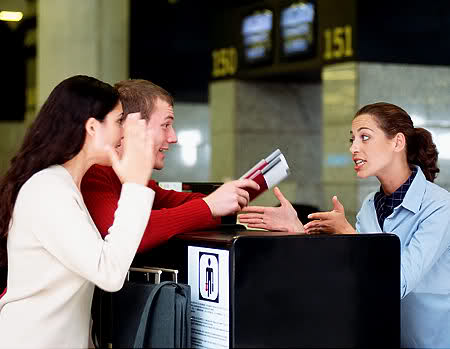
362 128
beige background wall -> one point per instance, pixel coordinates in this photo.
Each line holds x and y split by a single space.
72 37
81 37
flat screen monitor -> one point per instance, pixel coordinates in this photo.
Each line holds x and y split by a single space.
256 35
297 24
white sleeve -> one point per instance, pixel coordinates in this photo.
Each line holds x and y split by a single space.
65 231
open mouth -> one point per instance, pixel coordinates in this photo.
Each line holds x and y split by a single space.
359 163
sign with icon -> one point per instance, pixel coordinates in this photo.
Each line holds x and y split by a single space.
208 276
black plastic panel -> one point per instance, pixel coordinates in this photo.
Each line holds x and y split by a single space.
317 291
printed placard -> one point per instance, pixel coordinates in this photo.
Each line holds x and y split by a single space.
208 276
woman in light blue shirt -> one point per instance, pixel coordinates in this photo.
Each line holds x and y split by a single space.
385 144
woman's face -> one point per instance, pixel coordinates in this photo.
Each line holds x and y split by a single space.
109 133
372 152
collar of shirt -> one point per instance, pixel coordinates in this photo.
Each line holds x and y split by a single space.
413 197
396 198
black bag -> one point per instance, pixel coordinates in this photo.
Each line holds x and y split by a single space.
143 315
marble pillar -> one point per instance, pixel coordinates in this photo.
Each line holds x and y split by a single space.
72 37
81 37
251 119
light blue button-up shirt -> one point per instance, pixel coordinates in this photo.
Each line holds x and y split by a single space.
422 222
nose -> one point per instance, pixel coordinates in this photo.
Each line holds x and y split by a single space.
172 137
353 148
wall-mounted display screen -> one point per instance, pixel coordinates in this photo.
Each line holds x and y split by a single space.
275 38
256 35
297 24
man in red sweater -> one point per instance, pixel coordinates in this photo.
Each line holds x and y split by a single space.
173 212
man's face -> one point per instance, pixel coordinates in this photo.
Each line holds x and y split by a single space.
161 119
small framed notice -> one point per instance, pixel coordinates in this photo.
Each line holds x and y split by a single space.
208 276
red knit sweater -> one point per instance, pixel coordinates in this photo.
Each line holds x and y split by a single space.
172 213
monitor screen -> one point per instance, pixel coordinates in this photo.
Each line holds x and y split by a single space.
297 23
256 33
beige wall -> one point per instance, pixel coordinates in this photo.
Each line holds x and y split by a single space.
81 37
72 37
340 92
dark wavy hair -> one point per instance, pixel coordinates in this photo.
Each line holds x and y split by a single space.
420 148
56 136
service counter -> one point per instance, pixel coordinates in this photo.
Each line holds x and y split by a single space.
267 289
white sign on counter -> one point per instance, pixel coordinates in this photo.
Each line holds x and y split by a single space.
208 276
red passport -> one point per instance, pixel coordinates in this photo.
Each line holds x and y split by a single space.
267 173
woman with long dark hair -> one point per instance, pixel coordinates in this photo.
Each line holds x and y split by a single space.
385 144
52 250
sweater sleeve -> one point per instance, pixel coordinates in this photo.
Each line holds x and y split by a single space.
173 212
65 231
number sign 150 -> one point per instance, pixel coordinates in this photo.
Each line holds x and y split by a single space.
224 61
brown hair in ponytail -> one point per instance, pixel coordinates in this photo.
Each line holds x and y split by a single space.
420 148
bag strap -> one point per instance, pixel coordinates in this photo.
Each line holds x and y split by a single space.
140 335
96 316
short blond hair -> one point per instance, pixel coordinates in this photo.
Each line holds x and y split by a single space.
139 95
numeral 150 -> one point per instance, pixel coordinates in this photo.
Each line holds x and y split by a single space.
224 61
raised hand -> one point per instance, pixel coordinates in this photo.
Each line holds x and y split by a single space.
138 157
283 218
230 197
330 222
